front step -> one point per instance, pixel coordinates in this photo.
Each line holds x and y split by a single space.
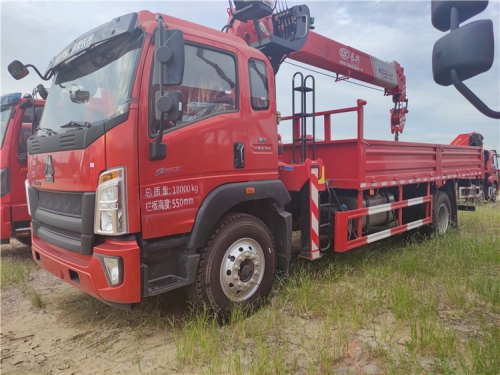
22 232
164 284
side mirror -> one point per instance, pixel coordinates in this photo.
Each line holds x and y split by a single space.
169 51
18 70
440 12
42 91
468 50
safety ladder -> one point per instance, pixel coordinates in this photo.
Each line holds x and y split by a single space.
303 115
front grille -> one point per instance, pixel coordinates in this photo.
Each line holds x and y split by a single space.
68 204
64 219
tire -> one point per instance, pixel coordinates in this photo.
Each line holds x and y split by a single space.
24 240
237 266
441 213
494 193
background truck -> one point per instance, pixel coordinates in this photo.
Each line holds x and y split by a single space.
18 115
488 188
158 162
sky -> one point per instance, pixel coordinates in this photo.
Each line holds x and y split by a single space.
36 31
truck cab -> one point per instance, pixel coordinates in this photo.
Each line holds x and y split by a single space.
114 217
17 115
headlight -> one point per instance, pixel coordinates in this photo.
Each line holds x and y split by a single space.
110 209
4 181
26 186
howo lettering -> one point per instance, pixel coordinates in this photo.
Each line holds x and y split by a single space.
169 170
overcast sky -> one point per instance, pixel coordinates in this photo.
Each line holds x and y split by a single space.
34 32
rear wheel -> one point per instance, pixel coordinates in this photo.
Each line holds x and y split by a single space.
237 266
494 193
441 214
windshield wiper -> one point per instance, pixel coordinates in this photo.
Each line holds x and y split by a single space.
74 124
48 131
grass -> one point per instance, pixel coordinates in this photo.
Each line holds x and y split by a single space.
415 307
16 266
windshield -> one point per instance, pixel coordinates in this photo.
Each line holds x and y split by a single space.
5 113
93 88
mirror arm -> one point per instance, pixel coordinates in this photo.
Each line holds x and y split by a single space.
45 78
471 97
162 91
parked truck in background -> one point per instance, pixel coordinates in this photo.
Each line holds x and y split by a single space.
158 163
488 187
18 115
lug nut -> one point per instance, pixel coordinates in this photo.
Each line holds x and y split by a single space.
253 256
241 259
240 284
256 273
252 281
236 277
256 264
236 267
247 255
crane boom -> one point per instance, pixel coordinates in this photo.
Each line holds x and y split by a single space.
286 34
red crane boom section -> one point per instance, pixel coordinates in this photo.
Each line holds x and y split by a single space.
272 33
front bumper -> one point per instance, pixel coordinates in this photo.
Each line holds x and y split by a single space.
86 273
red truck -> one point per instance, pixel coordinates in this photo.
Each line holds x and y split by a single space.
18 115
488 187
158 163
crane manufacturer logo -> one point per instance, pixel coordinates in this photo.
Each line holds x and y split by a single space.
344 53
49 170
352 60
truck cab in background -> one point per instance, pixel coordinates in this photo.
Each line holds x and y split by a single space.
18 115
488 186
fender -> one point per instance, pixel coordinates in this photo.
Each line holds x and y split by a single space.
224 197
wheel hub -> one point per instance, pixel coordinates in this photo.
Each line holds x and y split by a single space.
443 219
242 269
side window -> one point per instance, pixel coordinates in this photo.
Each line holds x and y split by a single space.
209 85
259 91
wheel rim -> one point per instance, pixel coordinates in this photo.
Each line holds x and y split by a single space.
242 269
443 219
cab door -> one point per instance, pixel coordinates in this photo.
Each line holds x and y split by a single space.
23 123
209 147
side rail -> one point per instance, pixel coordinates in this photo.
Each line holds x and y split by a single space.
347 238
327 115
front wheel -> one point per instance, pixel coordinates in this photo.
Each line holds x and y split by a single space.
237 266
441 214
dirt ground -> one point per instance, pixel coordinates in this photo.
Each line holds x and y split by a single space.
76 334
72 334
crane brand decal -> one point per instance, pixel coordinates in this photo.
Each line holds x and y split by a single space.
352 60
156 201
385 72
49 170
